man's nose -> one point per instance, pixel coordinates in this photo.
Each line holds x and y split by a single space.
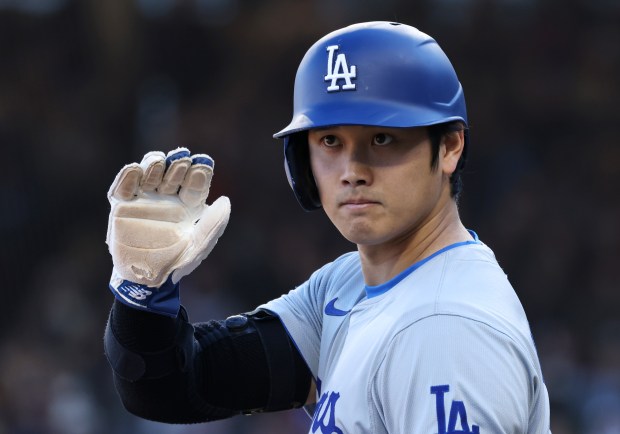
356 170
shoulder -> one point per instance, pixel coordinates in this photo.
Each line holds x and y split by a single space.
463 285
466 282
474 286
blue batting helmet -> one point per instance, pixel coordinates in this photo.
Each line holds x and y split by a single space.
376 74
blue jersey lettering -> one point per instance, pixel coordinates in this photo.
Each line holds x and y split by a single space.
325 413
457 412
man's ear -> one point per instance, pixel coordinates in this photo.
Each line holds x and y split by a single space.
452 146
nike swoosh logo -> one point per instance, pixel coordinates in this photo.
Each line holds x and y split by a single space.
332 310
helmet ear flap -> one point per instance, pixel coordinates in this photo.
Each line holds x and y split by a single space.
299 172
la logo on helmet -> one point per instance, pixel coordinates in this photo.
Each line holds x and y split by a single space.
339 70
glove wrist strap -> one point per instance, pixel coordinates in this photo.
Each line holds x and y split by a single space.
164 300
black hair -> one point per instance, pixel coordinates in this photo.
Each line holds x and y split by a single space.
436 133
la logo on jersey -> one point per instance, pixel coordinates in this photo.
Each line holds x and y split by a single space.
339 70
457 413
325 413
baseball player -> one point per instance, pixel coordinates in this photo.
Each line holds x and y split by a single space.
416 331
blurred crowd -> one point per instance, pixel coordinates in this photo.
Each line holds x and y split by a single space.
87 86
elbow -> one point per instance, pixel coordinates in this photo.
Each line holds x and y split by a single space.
157 400
171 399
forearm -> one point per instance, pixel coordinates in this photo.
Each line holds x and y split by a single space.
156 370
169 370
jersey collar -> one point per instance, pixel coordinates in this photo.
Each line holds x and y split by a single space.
373 291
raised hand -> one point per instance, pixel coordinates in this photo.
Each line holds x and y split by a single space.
160 227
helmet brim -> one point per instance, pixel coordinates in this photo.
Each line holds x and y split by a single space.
372 113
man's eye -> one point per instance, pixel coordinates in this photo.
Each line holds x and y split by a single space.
382 139
330 140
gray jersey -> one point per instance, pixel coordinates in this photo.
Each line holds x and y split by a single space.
444 347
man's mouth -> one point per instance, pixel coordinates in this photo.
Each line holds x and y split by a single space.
358 203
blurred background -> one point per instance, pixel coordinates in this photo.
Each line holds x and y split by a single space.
88 86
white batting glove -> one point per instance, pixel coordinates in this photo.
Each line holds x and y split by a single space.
160 227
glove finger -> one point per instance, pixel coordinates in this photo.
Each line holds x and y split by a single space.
195 187
177 163
153 165
207 231
212 223
126 183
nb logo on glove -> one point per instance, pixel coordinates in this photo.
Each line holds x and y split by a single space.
136 292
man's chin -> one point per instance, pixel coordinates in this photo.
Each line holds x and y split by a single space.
363 238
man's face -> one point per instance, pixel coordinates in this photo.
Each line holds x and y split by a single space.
376 184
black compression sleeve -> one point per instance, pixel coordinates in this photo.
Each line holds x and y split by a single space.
153 359
168 370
